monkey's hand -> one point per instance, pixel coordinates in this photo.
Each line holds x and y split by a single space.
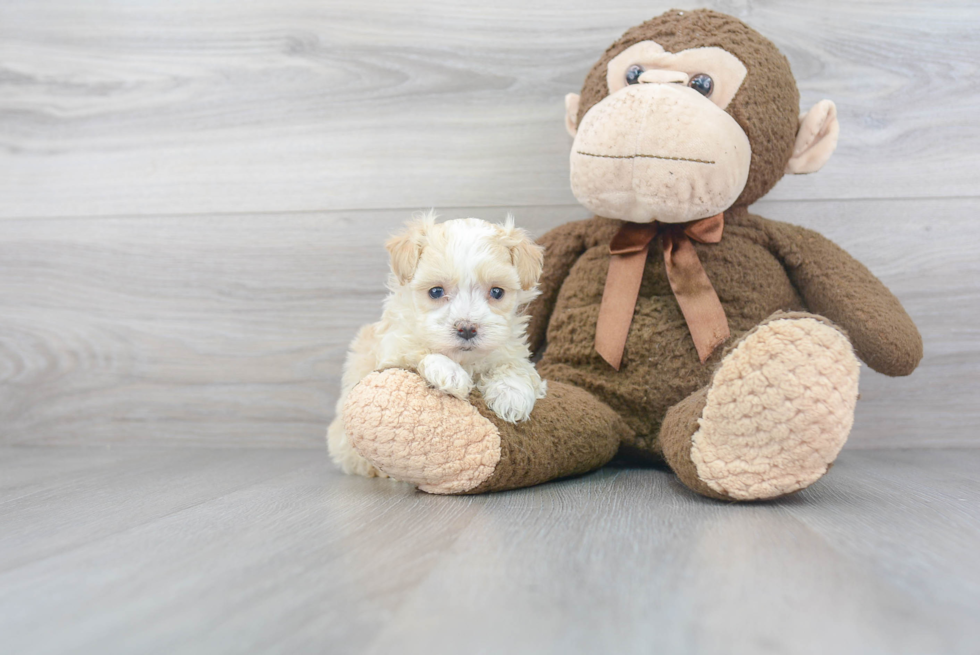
446 375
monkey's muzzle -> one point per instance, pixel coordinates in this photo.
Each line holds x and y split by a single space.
634 156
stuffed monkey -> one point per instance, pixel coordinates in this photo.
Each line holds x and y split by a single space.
675 325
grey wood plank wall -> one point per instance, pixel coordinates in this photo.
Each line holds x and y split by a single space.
193 196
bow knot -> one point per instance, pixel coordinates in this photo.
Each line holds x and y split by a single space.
698 300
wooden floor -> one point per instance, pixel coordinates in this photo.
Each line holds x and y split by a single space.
193 201
143 550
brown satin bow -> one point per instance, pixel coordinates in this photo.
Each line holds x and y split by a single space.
697 298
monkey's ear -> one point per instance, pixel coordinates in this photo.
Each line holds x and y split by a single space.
405 249
571 113
527 256
815 140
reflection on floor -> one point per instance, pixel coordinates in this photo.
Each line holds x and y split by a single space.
213 551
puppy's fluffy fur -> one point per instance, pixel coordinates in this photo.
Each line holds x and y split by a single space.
443 318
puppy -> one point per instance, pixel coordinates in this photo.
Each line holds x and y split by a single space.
454 314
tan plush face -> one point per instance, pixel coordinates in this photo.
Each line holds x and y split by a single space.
660 146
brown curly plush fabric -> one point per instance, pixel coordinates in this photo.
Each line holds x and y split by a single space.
570 433
771 408
767 106
760 267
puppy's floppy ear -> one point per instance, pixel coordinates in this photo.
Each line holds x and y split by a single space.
405 249
527 256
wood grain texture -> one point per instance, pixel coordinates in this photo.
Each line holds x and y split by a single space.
43 519
306 105
193 197
215 330
231 330
879 557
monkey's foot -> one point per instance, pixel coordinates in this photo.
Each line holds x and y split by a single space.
778 410
417 434
445 445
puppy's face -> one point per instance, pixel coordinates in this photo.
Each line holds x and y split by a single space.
467 280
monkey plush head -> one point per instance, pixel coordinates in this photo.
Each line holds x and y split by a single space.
687 115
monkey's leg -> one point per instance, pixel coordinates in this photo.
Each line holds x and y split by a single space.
774 417
444 445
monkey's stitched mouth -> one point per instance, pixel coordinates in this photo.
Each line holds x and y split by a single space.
696 161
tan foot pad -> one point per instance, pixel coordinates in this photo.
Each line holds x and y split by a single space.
417 434
778 411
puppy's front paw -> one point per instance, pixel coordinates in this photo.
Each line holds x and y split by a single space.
446 375
512 399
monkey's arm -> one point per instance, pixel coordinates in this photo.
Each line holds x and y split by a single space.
835 285
562 247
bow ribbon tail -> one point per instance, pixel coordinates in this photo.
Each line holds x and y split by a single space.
699 303
618 302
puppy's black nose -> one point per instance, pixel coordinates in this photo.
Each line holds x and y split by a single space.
466 330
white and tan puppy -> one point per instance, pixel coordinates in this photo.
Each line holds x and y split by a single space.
454 314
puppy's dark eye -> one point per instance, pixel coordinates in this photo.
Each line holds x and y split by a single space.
633 74
436 293
496 293
702 83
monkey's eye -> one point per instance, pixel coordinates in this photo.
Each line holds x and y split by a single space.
702 83
496 293
633 74
436 293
